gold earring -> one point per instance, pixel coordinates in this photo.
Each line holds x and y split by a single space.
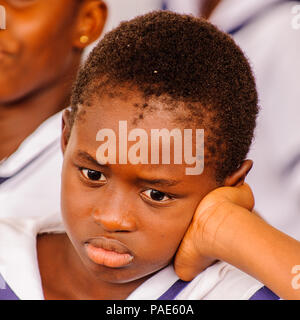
84 39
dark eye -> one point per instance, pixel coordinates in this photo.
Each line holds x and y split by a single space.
156 195
93 175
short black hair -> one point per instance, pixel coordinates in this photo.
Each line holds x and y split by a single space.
189 60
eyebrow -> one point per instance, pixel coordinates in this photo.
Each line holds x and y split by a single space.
157 182
87 157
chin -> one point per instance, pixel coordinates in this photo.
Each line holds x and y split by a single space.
122 275
10 95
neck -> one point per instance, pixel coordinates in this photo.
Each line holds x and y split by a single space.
20 118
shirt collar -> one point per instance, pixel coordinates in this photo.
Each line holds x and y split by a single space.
18 254
44 136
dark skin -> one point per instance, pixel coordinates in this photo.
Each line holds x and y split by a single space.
40 52
118 204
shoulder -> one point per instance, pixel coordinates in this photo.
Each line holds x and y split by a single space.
32 173
18 247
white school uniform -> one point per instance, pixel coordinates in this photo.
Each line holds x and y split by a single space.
33 172
19 268
272 46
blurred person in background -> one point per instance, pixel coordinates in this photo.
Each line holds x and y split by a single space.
40 52
265 32
122 10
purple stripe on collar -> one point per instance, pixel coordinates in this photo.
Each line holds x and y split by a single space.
174 290
7 293
264 293
3 179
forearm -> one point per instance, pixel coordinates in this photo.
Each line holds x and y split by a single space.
260 250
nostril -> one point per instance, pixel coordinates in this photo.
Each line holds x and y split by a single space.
111 222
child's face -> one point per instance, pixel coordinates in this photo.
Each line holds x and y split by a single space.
36 47
119 209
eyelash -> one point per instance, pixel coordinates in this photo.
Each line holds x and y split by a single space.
156 201
85 173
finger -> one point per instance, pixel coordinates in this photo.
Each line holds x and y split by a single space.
188 262
188 266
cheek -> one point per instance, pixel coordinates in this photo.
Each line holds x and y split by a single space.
42 50
165 233
49 46
44 26
73 205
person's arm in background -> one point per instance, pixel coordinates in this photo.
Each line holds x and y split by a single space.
224 228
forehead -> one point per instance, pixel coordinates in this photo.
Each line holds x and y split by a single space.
131 107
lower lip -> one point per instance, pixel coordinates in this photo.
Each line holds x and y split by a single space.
2 54
108 258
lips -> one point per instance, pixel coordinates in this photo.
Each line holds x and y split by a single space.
3 53
5 57
9 49
108 252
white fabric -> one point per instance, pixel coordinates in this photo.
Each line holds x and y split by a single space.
218 282
19 268
35 190
186 6
18 256
273 47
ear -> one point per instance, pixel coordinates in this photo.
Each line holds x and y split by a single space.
66 130
238 177
90 23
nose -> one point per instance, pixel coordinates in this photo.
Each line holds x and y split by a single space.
114 215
